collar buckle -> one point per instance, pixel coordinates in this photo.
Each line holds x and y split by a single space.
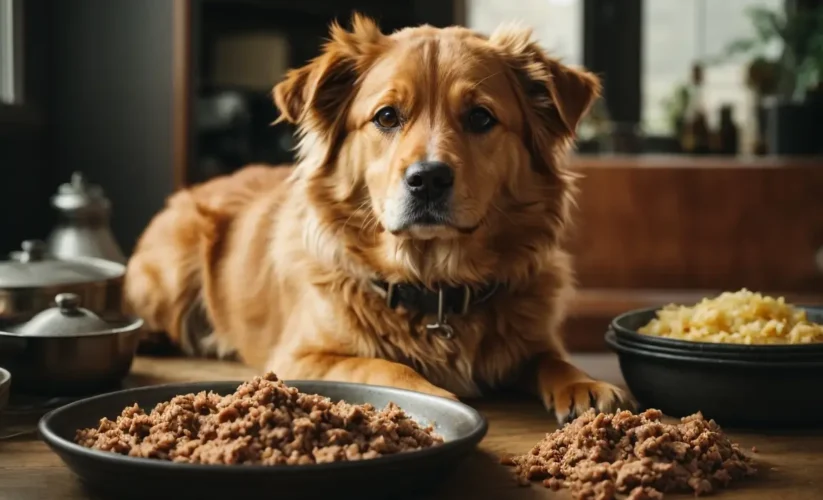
448 301
441 327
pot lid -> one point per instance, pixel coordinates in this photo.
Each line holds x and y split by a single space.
33 267
66 319
78 194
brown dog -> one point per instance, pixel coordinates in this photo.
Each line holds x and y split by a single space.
417 241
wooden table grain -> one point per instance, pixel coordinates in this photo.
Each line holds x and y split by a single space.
791 462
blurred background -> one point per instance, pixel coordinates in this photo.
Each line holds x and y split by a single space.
703 162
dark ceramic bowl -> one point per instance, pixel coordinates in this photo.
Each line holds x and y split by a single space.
734 392
626 325
118 476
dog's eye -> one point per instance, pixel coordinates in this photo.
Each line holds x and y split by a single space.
480 120
387 118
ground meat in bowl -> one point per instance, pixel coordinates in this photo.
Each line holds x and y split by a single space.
264 422
601 455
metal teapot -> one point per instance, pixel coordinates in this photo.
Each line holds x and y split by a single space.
83 229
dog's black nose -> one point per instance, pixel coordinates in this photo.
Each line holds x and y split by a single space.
431 180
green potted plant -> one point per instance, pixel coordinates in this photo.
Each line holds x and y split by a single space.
789 86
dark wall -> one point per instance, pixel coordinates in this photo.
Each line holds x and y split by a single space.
24 136
112 99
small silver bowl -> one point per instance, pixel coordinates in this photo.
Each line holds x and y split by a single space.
69 351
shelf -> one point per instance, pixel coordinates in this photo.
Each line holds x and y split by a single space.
692 162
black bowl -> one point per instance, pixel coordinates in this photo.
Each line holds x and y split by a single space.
626 325
729 354
117 476
734 392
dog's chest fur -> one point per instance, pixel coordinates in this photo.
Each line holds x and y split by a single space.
479 355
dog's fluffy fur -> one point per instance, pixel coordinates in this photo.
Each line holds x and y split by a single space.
274 263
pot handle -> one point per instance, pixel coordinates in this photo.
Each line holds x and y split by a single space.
33 251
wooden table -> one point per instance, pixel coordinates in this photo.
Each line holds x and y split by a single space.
791 461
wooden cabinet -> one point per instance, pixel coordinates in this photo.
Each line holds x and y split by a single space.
652 230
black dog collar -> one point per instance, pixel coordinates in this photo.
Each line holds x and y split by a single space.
444 301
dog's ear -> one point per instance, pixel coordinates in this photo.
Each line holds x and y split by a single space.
318 91
559 95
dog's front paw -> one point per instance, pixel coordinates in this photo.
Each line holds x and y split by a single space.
572 400
436 391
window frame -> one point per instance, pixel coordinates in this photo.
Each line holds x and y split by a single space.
26 110
613 49
604 23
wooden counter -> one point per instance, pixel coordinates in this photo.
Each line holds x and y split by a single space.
791 462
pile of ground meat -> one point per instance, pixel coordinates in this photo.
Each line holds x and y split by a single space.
264 422
598 456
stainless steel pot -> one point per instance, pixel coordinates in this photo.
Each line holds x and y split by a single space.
83 228
68 350
31 279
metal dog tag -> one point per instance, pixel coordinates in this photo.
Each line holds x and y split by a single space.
443 330
441 327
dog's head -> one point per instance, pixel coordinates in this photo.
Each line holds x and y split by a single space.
435 153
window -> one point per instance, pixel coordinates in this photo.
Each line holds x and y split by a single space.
557 24
11 57
676 33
